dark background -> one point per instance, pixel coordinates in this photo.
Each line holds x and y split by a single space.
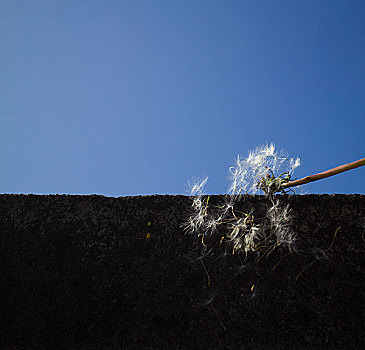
78 272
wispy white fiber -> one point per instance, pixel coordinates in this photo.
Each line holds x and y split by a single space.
247 172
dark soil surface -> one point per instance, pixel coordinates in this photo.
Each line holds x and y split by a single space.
90 272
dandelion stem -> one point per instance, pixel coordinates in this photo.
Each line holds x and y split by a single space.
324 174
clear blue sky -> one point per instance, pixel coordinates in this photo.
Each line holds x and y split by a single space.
119 97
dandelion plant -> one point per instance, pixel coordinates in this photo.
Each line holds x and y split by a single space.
251 234
267 169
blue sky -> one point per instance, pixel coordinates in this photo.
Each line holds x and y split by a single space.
137 97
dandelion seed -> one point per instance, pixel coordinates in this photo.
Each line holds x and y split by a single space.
280 222
212 294
294 164
212 224
223 257
197 187
319 254
253 294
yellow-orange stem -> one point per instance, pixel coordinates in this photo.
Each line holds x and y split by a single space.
324 174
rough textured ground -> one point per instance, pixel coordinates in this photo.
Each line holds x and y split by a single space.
78 272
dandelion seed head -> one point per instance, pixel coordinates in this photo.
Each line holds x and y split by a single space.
247 172
263 165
